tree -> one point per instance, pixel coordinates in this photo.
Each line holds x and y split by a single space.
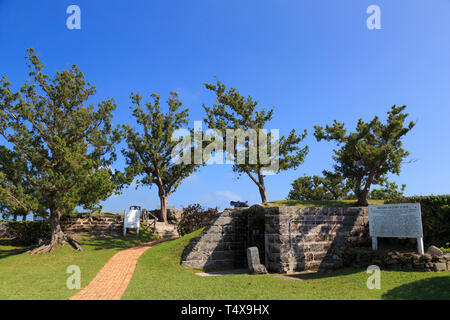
371 152
150 152
389 190
66 148
307 188
336 185
329 187
243 125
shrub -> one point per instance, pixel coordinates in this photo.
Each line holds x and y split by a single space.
29 232
435 217
195 217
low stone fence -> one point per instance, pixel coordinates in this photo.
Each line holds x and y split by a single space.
107 222
395 260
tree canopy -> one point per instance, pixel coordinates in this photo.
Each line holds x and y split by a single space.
367 155
238 113
150 153
61 147
330 186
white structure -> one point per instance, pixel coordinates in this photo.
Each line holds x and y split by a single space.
396 221
132 219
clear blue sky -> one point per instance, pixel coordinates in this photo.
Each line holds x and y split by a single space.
314 61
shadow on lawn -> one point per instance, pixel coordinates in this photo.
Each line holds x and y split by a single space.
102 242
436 288
12 252
311 275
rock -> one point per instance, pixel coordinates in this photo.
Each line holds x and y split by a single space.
259 269
439 266
173 215
447 256
254 263
426 257
434 251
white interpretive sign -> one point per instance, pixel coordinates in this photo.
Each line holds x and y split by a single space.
396 221
132 219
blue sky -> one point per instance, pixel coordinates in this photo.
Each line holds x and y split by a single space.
314 61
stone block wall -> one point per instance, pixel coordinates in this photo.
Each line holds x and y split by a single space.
112 223
222 245
291 238
312 237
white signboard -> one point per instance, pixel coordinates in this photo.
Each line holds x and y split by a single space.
396 221
131 220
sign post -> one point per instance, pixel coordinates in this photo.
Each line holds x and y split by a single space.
396 221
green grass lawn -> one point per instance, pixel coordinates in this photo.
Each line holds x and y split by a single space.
318 203
24 276
159 275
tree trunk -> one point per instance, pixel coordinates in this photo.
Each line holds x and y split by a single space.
262 187
55 227
363 194
362 198
57 236
163 200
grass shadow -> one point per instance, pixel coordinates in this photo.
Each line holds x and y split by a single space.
436 288
14 250
102 241
316 274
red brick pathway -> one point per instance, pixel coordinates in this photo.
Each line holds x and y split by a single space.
113 279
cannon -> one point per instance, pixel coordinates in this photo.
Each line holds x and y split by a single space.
239 204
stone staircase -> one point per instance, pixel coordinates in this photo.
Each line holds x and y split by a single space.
165 230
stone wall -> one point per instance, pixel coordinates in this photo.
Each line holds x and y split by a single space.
289 238
112 223
395 260
222 245
312 237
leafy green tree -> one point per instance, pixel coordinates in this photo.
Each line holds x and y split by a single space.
150 151
388 190
336 185
307 188
329 187
368 154
66 147
234 111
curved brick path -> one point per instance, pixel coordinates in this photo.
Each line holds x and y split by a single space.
113 279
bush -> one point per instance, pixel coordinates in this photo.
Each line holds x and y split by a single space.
29 232
435 217
195 217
